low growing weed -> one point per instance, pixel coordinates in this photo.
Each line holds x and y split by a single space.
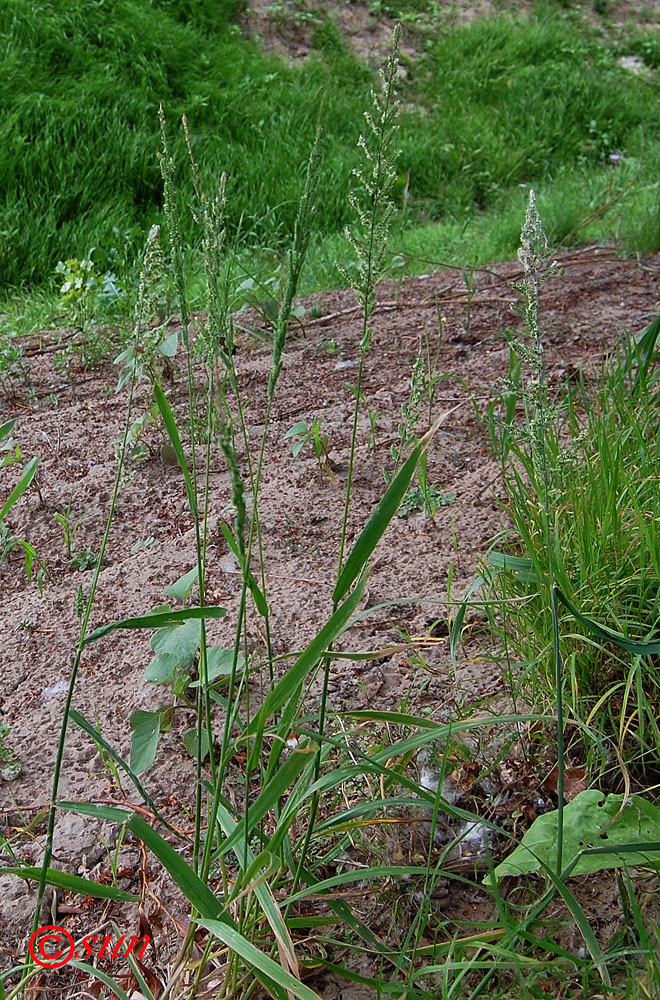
312 436
14 368
10 454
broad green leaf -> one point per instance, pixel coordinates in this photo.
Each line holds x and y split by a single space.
175 647
162 669
597 833
170 425
180 589
169 346
299 428
190 743
81 721
74 883
180 640
258 960
156 619
375 527
219 664
649 647
144 741
28 474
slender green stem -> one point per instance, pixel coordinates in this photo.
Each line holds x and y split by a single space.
371 256
533 255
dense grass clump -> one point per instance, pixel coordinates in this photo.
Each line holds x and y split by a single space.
602 464
491 107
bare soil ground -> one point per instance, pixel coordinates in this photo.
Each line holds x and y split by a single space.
288 27
73 424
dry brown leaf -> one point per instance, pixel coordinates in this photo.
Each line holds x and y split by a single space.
575 781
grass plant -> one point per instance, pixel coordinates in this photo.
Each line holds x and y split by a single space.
312 819
260 874
602 461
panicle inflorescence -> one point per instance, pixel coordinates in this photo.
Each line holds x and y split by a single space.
374 207
167 169
534 256
151 277
295 259
217 334
145 353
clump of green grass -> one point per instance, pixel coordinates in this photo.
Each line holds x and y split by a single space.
595 493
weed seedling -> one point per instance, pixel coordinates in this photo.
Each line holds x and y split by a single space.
69 526
373 417
83 560
14 369
10 453
332 347
426 497
313 436
10 767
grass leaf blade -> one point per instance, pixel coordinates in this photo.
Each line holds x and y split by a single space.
29 472
159 619
170 424
375 527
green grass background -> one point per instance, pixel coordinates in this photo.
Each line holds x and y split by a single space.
490 108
